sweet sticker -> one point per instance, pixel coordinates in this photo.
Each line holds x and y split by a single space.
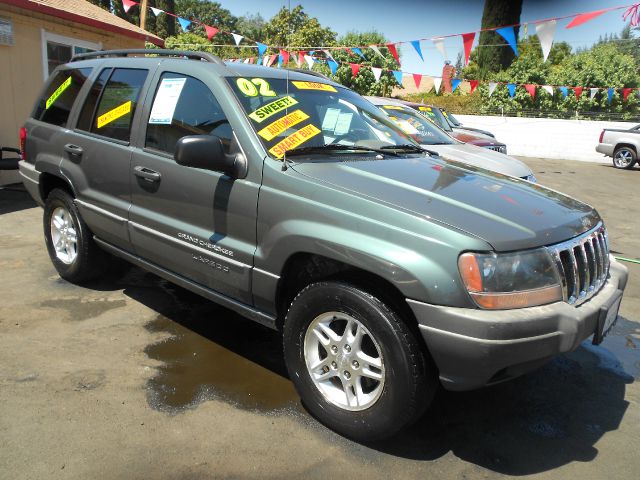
314 86
276 128
114 114
294 140
54 96
272 108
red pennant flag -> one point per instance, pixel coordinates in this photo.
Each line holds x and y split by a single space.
467 40
417 78
531 89
272 59
348 50
578 92
625 93
394 52
211 31
285 57
474 85
301 55
127 4
584 18
355 68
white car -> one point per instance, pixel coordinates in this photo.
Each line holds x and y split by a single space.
435 139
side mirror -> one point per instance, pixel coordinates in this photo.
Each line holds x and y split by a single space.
206 151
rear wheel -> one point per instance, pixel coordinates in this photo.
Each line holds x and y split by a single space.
624 157
357 366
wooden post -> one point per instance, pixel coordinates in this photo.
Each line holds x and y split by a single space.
143 14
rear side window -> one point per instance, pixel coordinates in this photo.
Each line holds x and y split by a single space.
184 106
55 104
112 102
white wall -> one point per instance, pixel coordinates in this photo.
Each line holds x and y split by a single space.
545 137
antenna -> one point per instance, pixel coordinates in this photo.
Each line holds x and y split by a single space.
286 110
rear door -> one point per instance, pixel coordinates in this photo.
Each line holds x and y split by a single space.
197 223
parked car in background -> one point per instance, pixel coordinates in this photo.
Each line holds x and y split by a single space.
459 127
474 138
430 136
621 145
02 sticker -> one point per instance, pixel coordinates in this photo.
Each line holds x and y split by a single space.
276 128
294 140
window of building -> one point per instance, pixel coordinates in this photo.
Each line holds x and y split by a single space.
58 50
184 106
55 104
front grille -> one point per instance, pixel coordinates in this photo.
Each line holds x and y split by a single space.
583 264
498 148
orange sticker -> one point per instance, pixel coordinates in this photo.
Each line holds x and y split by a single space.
276 128
314 86
294 140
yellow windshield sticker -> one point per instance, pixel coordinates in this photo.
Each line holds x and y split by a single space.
54 96
425 109
255 86
276 128
392 107
270 109
294 140
114 114
314 86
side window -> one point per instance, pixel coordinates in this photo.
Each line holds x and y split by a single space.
184 106
55 104
116 100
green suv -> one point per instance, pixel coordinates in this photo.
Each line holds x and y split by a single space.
292 200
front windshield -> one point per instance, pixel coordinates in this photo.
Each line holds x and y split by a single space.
411 122
435 115
290 115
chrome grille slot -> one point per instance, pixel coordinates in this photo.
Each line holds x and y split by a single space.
583 265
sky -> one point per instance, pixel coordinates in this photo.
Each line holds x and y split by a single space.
405 20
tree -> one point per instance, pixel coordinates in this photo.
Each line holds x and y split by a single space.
296 29
252 26
492 58
209 13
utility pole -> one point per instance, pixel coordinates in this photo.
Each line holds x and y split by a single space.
143 14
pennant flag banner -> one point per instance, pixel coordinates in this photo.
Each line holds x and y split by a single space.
261 48
285 56
610 93
376 49
416 45
238 38
265 60
355 68
467 40
309 60
211 32
398 76
546 31
437 82
417 78
301 58
564 91
394 52
492 87
184 23
272 59
577 91
156 11
584 18
509 35
454 84
333 65
512 89
357 51
548 89
473 84
329 56
439 43
531 89
593 92
376 73
625 93
127 4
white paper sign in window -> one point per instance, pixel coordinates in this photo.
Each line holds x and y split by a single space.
343 124
166 100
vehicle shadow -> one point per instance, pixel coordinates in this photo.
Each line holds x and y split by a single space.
14 198
532 424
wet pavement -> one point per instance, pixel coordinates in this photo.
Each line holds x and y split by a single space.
133 377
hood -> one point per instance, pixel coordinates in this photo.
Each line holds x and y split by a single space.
507 213
482 157
473 131
474 139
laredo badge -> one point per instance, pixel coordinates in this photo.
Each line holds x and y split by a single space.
272 108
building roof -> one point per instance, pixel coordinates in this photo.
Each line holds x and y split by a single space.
83 12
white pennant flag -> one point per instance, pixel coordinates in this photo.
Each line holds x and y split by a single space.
246 60
296 58
237 37
329 56
492 87
376 73
439 43
593 92
156 11
309 60
376 49
265 59
548 89
437 83
546 31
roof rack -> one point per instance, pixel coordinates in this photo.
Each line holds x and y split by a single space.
202 56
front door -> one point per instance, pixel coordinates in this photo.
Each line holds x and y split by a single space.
194 222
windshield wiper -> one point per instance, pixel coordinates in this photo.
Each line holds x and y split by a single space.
410 148
335 146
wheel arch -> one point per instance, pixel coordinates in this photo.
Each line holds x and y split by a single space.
49 181
627 145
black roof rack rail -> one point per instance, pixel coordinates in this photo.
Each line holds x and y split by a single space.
203 56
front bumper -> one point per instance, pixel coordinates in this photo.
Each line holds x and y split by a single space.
473 348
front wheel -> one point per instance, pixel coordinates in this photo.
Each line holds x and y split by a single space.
357 366
624 157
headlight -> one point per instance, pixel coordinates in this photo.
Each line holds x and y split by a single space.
510 280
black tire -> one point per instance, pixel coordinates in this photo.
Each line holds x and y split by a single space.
90 261
624 158
410 378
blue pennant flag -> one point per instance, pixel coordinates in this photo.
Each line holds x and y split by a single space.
357 51
312 53
184 23
416 45
333 66
512 89
398 76
454 84
280 60
564 91
261 49
509 35
610 93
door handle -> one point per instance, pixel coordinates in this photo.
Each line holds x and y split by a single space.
73 149
146 174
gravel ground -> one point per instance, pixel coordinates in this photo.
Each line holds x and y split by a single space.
132 377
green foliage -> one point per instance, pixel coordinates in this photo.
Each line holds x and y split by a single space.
252 26
209 13
464 104
492 56
296 29
198 43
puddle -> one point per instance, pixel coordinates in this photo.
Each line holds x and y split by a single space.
82 309
215 354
